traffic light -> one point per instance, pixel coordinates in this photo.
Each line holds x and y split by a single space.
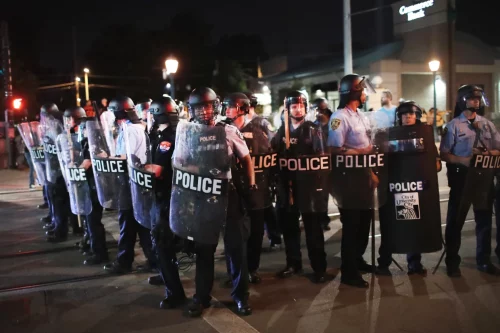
17 103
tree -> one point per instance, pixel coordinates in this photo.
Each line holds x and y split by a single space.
229 77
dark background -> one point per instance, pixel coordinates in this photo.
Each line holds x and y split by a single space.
125 43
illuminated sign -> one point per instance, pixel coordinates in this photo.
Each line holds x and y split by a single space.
415 11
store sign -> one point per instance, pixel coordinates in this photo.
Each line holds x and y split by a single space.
415 11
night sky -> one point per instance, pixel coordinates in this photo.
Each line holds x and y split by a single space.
304 27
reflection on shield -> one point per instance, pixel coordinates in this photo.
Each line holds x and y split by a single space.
198 205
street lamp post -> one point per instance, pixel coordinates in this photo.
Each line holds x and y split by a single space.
77 87
171 65
86 71
434 67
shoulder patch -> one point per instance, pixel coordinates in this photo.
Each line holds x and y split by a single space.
335 123
164 146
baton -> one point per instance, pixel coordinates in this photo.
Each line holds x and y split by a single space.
287 146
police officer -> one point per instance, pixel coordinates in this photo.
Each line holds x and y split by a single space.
289 196
348 134
203 109
323 114
124 111
256 133
56 190
408 114
93 221
464 136
165 117
271 222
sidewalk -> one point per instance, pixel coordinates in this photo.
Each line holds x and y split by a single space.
13 180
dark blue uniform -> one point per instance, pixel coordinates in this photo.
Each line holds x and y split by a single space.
164 241
460 137
129 227
96 231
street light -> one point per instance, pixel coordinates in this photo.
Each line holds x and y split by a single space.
171 65
86 71
77 87
434 67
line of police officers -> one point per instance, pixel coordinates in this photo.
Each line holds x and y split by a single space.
178 184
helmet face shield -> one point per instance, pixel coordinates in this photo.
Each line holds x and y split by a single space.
479 96
366 85
204 113
69 123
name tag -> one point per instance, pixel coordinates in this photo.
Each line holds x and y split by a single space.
306 163
141 178
106 165
197 183
406 186
359 161
264 161
50 148
76 174
37 154
486 162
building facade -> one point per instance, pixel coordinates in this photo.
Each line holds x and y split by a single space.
423 31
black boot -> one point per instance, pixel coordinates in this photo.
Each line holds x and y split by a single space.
96 259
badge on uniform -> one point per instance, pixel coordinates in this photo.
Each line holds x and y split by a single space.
165 146
240 135
334 124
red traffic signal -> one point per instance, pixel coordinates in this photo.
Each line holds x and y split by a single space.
17 103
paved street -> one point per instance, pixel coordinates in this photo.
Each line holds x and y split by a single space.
128 304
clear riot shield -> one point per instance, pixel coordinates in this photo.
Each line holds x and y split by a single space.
265 162
305 170
50 128
360 181
70 153
31 134
201 169
412 213
110 172
142 182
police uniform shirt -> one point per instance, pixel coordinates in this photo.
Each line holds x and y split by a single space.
348 129
384 118
236 144
460 136
162 148
136 141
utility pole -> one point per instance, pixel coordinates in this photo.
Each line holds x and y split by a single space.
348 66
7 83
347 38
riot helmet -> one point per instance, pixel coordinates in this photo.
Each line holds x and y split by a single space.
204 106
165 111
72 117
470 97
299 99
52 110
351 89
235 105
252 98
408 107
321 108
123 108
